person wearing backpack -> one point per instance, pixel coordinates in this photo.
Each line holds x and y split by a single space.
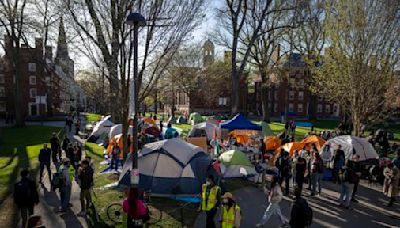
67 173
346 175
274 198
301 213
25 196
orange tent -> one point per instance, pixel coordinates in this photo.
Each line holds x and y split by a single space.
149 120
289 147
272 142
243 136
314 139
113 140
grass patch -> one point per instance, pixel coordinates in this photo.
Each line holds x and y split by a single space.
172 215
92 117
185 128
19 149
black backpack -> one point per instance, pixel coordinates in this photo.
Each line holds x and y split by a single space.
22 193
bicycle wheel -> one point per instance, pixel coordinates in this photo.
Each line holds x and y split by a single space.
115 213
155 214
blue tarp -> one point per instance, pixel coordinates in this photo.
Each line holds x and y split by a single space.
304 124
240 122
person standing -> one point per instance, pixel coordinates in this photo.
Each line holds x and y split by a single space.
294 162
338 163
44 160
301 213
25 196
64 145
55 148
317 170
77 153
115 156
85 175
284 167
67 173
230 212
210 200
357 176
77 126
71 154
346 175
391 183
301 167
274 198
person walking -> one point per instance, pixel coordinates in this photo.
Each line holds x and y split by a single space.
357 176
67 174
44 160
301 167
391 183
115 153
210 200
55 148
25 196
77 126
346 175
230 212
85 176
338 163
71 154
137 212
64 145
77 154
317 170
274 198
284 167
301 212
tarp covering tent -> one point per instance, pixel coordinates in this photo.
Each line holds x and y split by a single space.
116 139
272 142
195 118
243 136
103 127
198 130
240 122
314 140
349 145
266 130
173 167
236 164
117 129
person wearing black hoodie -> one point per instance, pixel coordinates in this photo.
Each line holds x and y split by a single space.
25 196
301 213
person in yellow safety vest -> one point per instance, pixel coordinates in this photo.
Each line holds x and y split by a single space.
210 200
230 212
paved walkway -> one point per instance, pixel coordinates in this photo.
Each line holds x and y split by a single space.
369 212
50 200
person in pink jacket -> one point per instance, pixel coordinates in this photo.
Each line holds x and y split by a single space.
135 208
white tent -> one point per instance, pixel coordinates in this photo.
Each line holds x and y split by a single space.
117 129
103 127
349 144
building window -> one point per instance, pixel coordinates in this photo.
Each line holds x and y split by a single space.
275 95
275 107
301 83
32 93
327 108
292 82
2 91
299 107
291 95
2 106
222 101
32 67
320 98
291 107
2 80
301 95
32 80
319 108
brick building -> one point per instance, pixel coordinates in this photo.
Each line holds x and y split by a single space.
289 93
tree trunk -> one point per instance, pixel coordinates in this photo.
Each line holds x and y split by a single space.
356 124
19 118
155 103
312 114
264 104
114 100
235 80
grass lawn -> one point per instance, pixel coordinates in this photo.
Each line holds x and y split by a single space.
19 148
104 197
92 117
184 127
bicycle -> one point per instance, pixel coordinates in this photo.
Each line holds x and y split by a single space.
115 212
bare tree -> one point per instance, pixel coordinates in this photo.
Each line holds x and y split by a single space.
358 67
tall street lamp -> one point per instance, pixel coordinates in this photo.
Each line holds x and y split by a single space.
136 20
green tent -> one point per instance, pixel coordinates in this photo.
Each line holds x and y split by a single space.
234 157
195 118
266 130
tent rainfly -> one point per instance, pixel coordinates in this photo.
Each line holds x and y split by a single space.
102 127
240 122
237 164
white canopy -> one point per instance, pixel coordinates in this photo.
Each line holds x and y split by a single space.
349 144
102 127
116 130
